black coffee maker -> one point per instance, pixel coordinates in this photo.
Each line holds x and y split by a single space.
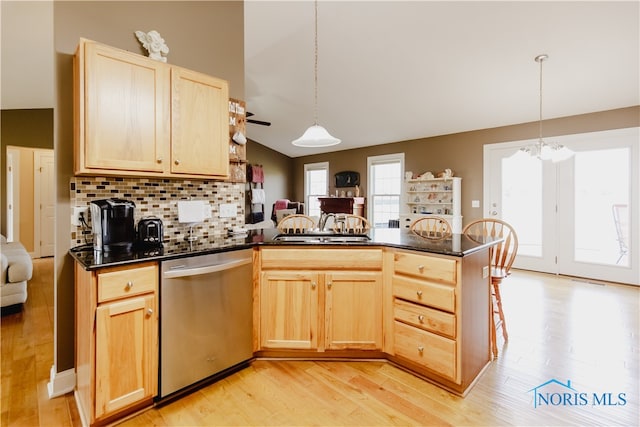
113 225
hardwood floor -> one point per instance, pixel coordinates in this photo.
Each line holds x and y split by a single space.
559 329
27 357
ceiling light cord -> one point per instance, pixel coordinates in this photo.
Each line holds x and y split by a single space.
315 136
315 65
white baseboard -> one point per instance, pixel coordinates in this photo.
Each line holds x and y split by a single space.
61 382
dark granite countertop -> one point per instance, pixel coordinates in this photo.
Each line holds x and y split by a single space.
456 245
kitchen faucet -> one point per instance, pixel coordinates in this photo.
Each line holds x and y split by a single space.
338 219
322 222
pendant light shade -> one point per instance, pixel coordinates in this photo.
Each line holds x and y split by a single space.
316 135
542 150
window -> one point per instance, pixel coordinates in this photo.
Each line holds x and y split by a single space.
384 189
316 185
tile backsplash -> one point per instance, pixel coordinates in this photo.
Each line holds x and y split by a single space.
159 197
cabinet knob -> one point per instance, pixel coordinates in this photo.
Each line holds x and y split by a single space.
329 285
421 318
313 285
420 349
419 293
149 311
129 285
159 160
176 161
421 268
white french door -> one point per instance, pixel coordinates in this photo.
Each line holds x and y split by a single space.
577 217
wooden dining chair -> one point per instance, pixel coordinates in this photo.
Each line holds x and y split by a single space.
431 227
502 256
351 224
296 224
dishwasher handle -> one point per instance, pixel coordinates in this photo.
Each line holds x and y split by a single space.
207 269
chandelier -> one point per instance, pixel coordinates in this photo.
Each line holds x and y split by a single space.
316 135
543 150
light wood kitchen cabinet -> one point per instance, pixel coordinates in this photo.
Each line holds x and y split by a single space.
328 299
139 117
289 310
199 124
116 340
353 310
440 311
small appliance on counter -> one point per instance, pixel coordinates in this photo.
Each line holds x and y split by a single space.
112 224
150 232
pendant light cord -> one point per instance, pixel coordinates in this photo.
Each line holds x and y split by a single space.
315 65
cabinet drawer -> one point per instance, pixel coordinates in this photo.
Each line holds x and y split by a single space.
425 267
125 282
307 258
425 318
429 350
432 294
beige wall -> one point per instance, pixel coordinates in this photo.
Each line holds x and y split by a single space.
205 36
462 152
278 179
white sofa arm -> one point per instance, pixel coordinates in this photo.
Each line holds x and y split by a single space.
19 266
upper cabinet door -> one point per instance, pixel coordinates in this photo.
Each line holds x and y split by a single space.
123 111
200 124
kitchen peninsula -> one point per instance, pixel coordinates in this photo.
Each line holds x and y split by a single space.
422 304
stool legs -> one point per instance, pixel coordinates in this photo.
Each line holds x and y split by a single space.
497 309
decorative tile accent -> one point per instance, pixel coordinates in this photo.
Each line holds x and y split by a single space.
158 197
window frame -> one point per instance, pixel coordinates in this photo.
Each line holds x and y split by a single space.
308 167
372 161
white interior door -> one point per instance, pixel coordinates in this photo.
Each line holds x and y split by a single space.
13 204
44 203
566 213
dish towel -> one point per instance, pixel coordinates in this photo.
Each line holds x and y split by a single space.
257 195
257 174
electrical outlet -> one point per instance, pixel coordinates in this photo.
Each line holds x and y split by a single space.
75 215
228 210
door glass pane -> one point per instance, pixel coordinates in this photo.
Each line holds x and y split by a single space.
522 201
601 206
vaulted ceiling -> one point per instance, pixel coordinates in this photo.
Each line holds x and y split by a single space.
399 70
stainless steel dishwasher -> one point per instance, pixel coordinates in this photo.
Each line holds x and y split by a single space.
205 318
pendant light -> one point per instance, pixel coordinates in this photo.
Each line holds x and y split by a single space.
542 150
316 135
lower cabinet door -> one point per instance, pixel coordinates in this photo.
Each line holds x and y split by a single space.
429 350
353 310
126 353
289 310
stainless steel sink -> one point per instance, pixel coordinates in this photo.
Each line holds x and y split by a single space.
322 238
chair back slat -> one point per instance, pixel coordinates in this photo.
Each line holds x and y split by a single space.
431 227
296 224
502 254
351 224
